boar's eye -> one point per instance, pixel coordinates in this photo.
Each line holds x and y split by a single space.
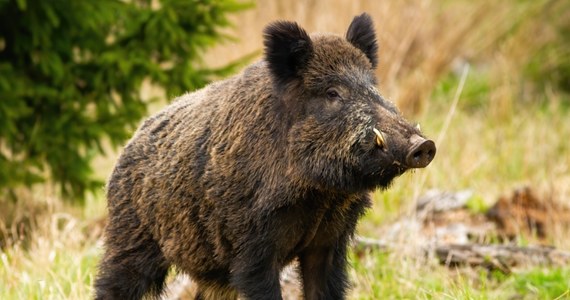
333 94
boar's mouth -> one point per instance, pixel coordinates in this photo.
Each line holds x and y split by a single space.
419 154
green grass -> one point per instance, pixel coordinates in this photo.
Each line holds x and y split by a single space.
543 283
63 274
59 258
387 276
381 275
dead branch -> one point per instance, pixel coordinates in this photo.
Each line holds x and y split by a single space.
491 256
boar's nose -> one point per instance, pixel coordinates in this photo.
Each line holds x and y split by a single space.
420 153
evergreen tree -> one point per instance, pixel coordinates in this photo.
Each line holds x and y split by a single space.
71 72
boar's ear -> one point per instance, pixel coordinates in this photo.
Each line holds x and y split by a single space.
288 48
362 36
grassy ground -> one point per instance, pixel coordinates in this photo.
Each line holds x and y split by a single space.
58 259
496 135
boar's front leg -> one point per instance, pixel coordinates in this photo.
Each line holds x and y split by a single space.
255 274
324 271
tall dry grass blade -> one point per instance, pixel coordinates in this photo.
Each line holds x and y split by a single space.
563 296
443 131
453 108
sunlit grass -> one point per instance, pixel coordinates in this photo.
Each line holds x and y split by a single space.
59 259
381 275
388 276
543 283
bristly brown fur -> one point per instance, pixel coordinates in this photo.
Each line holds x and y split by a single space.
233 182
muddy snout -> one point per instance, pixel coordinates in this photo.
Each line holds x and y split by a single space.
420 153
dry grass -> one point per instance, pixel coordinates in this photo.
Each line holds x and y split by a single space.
496 138
56 258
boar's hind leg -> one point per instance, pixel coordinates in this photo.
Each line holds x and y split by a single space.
323 270
133 265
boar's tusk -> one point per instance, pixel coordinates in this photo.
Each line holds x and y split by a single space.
418 127
380 141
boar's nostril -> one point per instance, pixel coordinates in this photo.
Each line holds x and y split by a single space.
421 152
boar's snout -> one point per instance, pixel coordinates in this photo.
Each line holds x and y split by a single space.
420 153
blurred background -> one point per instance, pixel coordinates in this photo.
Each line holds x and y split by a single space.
488 80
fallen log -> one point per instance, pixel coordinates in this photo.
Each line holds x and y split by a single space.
491 256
